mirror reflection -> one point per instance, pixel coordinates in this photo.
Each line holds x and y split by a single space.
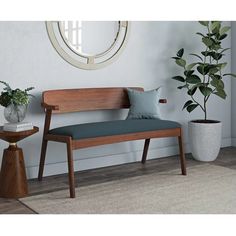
89 37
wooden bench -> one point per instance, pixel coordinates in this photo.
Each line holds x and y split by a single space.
100 133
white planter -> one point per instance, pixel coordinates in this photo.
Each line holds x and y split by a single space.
205 140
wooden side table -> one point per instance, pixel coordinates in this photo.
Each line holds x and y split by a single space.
13 181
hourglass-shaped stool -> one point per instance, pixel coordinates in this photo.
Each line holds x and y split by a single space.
13 181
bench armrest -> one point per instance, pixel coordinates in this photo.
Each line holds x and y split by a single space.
49 107
163 100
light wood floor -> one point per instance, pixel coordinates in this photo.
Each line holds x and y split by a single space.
227 158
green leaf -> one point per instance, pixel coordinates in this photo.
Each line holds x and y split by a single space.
197 85
8 88
187 104
193 79
175 58
29 89
184 86
206 53
215 47
179 78
200 34
214 69
180 53
188 72
206 91
217 56
190 66
192 91
217 36
205 23
203 69
214 41
211 34
224 50
221 93
200 69
213 76
231 74
223 36
214 83
218 84
193 54
222 65
221 84
180 62
224 29
215 26
5 99
191 107
207 41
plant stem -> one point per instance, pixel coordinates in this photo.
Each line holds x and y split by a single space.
194 99
205 110
204 82
197 103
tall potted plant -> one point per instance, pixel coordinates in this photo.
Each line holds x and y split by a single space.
204 77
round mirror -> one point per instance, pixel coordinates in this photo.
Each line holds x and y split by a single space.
88 44
89 37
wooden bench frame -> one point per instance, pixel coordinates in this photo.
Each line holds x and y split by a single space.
72 100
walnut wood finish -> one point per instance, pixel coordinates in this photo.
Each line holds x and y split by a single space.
42 158
13 137
44 142
13 182
71 100
163 100
145 150
182 156
71 168
84 143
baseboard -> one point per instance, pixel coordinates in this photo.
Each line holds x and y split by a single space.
234 142
226 142
117 159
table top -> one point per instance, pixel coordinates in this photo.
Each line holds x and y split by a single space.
13 137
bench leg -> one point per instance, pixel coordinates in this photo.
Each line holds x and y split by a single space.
71 170
42 159
182 154
145 150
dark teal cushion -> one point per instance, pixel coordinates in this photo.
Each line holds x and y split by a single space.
116 127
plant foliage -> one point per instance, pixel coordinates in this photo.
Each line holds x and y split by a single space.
205 74
14 96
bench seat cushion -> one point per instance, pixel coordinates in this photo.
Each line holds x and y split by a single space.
116 127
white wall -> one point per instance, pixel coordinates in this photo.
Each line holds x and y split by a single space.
233 83
27 58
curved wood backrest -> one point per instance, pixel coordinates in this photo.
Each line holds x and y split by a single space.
85 99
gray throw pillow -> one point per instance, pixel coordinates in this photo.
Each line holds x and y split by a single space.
144 105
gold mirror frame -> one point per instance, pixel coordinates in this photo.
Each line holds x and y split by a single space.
88 62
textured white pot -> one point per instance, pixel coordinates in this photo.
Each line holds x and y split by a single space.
205 140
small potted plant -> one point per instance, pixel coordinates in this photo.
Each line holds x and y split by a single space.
15 102
204 77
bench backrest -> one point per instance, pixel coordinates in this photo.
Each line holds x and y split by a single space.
86 99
